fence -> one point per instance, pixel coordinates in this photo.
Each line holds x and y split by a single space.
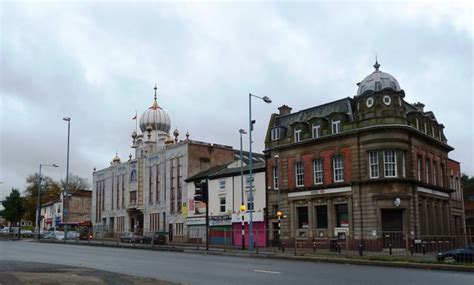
372 245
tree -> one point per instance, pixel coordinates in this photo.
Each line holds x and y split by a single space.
50 191
13 207
76 183
467 183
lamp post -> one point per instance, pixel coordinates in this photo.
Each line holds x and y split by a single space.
251 122
65 210
38 209
242 205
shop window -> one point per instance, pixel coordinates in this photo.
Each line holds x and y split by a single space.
342 215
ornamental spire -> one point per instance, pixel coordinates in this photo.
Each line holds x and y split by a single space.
376 65
155 103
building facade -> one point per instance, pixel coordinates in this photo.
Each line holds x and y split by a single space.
362 166
148 192
226 195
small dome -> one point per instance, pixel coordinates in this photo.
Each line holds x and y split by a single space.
156 118
116 158
377 81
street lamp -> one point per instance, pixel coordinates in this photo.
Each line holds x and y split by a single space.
38 201
242 206
251 122
65 210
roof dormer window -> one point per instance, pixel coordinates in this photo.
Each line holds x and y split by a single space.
377 86
336 126
275 134
316 131
297 135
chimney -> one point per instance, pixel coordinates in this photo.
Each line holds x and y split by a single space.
284 110
419 106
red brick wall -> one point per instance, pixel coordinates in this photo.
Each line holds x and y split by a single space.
327 165
308 169
291 172
346 154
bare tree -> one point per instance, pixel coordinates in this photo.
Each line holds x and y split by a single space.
76 183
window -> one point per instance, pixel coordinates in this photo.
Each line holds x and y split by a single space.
275 177
377 86
133 197
322 217
297 137
275 134
433 132
336 126
247 182
316 131
424 124
403 165
427 170
419 168
342 215
390 163
417 124
434 172
299 170
338 166
387 100
249 205
302 217
318 171
222 204
369 102
222 184
374 164
133 175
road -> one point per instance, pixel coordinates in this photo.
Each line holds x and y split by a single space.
210 269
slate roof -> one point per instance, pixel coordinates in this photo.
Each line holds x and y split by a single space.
322 111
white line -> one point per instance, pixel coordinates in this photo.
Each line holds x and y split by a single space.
264 271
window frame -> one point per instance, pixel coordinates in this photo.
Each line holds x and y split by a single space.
374 165
299 175
318 172
335 126
275 134
275 178
338 168
297 135
387 163
222 198
316 131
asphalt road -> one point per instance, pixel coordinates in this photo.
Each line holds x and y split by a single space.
210 269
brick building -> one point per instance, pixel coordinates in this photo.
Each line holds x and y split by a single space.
362 166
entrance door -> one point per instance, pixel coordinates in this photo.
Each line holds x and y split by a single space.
170 232
276 237
392 228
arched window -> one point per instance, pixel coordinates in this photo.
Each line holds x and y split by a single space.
133 175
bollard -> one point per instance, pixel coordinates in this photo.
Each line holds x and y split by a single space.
424 249
282 247
390 248
361 249
314 247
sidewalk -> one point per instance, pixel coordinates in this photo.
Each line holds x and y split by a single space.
398 259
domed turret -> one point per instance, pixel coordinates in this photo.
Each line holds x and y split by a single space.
155 118
377 81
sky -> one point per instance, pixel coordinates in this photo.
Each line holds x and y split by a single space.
97 63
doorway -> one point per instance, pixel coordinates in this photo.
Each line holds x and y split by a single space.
392 228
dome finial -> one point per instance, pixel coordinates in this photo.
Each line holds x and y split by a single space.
155 103
376 65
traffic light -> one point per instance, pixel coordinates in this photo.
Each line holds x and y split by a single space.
201 191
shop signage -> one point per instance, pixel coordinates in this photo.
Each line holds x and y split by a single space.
320 192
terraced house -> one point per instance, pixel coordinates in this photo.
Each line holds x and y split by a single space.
362 166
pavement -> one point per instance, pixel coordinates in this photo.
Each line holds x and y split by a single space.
191 268
25 273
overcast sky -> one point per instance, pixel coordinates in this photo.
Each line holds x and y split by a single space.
97 63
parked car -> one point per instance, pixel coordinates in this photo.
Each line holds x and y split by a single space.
85 233
58 235
465 254
72 235
26 233
158 237
129 237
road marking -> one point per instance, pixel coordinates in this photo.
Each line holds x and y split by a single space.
265 271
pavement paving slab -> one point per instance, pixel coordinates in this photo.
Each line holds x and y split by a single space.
26 273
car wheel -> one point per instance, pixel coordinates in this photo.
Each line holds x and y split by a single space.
449 259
